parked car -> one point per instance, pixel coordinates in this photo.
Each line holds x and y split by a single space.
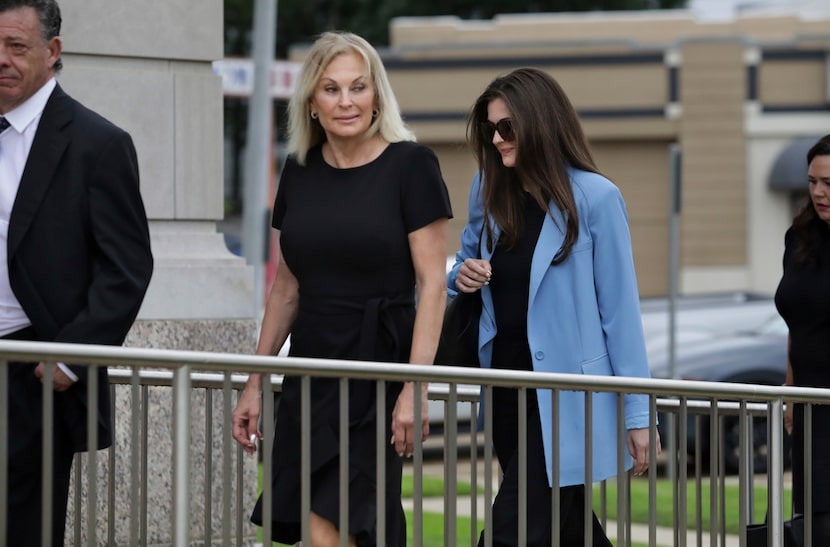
744 343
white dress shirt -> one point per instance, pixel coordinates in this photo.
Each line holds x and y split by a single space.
15 144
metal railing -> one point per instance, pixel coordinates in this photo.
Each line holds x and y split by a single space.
135 370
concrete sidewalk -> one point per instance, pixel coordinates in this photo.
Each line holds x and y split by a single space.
664 537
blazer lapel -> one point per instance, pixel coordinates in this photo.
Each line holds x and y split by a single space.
487 323
47 148
550 241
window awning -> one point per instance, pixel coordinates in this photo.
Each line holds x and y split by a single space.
789 171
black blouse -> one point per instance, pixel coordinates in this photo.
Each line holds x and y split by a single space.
803 300
510 287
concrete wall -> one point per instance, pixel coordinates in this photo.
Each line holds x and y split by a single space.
145 65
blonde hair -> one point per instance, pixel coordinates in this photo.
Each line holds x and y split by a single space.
305 133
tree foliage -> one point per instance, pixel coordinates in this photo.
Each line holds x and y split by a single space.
298 21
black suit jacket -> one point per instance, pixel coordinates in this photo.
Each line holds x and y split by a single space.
78 244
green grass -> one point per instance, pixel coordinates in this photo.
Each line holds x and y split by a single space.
432 531
665 508
432 534
433 487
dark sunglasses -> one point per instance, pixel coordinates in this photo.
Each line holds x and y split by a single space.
504 126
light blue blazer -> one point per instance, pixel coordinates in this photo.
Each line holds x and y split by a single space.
583 318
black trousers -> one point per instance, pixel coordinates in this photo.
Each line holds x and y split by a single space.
505 527
25 442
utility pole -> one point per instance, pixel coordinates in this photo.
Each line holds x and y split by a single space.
675 161
259 146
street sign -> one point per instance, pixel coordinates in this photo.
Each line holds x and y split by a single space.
238 77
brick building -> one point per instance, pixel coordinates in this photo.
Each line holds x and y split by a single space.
741 97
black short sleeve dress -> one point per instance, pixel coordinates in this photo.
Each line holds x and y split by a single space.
803 300
344 235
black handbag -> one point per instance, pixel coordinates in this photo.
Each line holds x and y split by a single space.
458 344
756 534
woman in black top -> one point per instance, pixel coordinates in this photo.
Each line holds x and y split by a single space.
803 300
362 215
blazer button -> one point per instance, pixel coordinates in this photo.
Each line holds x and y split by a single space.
540 355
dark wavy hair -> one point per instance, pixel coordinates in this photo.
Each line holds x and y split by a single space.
549 138
49 14
808 229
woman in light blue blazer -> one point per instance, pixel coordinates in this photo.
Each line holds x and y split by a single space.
559 294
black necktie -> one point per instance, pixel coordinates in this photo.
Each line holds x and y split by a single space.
4 124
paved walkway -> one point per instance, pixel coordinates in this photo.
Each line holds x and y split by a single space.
639 532
664 537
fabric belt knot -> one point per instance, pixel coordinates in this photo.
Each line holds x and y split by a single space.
373 312
376 320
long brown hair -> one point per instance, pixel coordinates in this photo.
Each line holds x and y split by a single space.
549 138
808 228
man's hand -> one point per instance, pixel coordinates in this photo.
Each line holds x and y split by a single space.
60 381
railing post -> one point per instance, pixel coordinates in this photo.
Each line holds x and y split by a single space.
343 477
450 465
136 455
652 470
305 460
143 524
47 455
417 472
4 446
208 500
227 457
268 429
92 454
622 450
587 509
522 455
681 472
488 467
745 487
714 469
181 456
776 474
473 471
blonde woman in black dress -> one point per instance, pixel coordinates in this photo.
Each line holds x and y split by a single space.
362 215
803 300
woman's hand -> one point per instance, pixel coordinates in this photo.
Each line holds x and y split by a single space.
245 417
403 420
473 274
638 447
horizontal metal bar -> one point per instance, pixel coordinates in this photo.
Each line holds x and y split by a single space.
208 361
437 391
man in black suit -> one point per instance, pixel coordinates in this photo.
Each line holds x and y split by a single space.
75 235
